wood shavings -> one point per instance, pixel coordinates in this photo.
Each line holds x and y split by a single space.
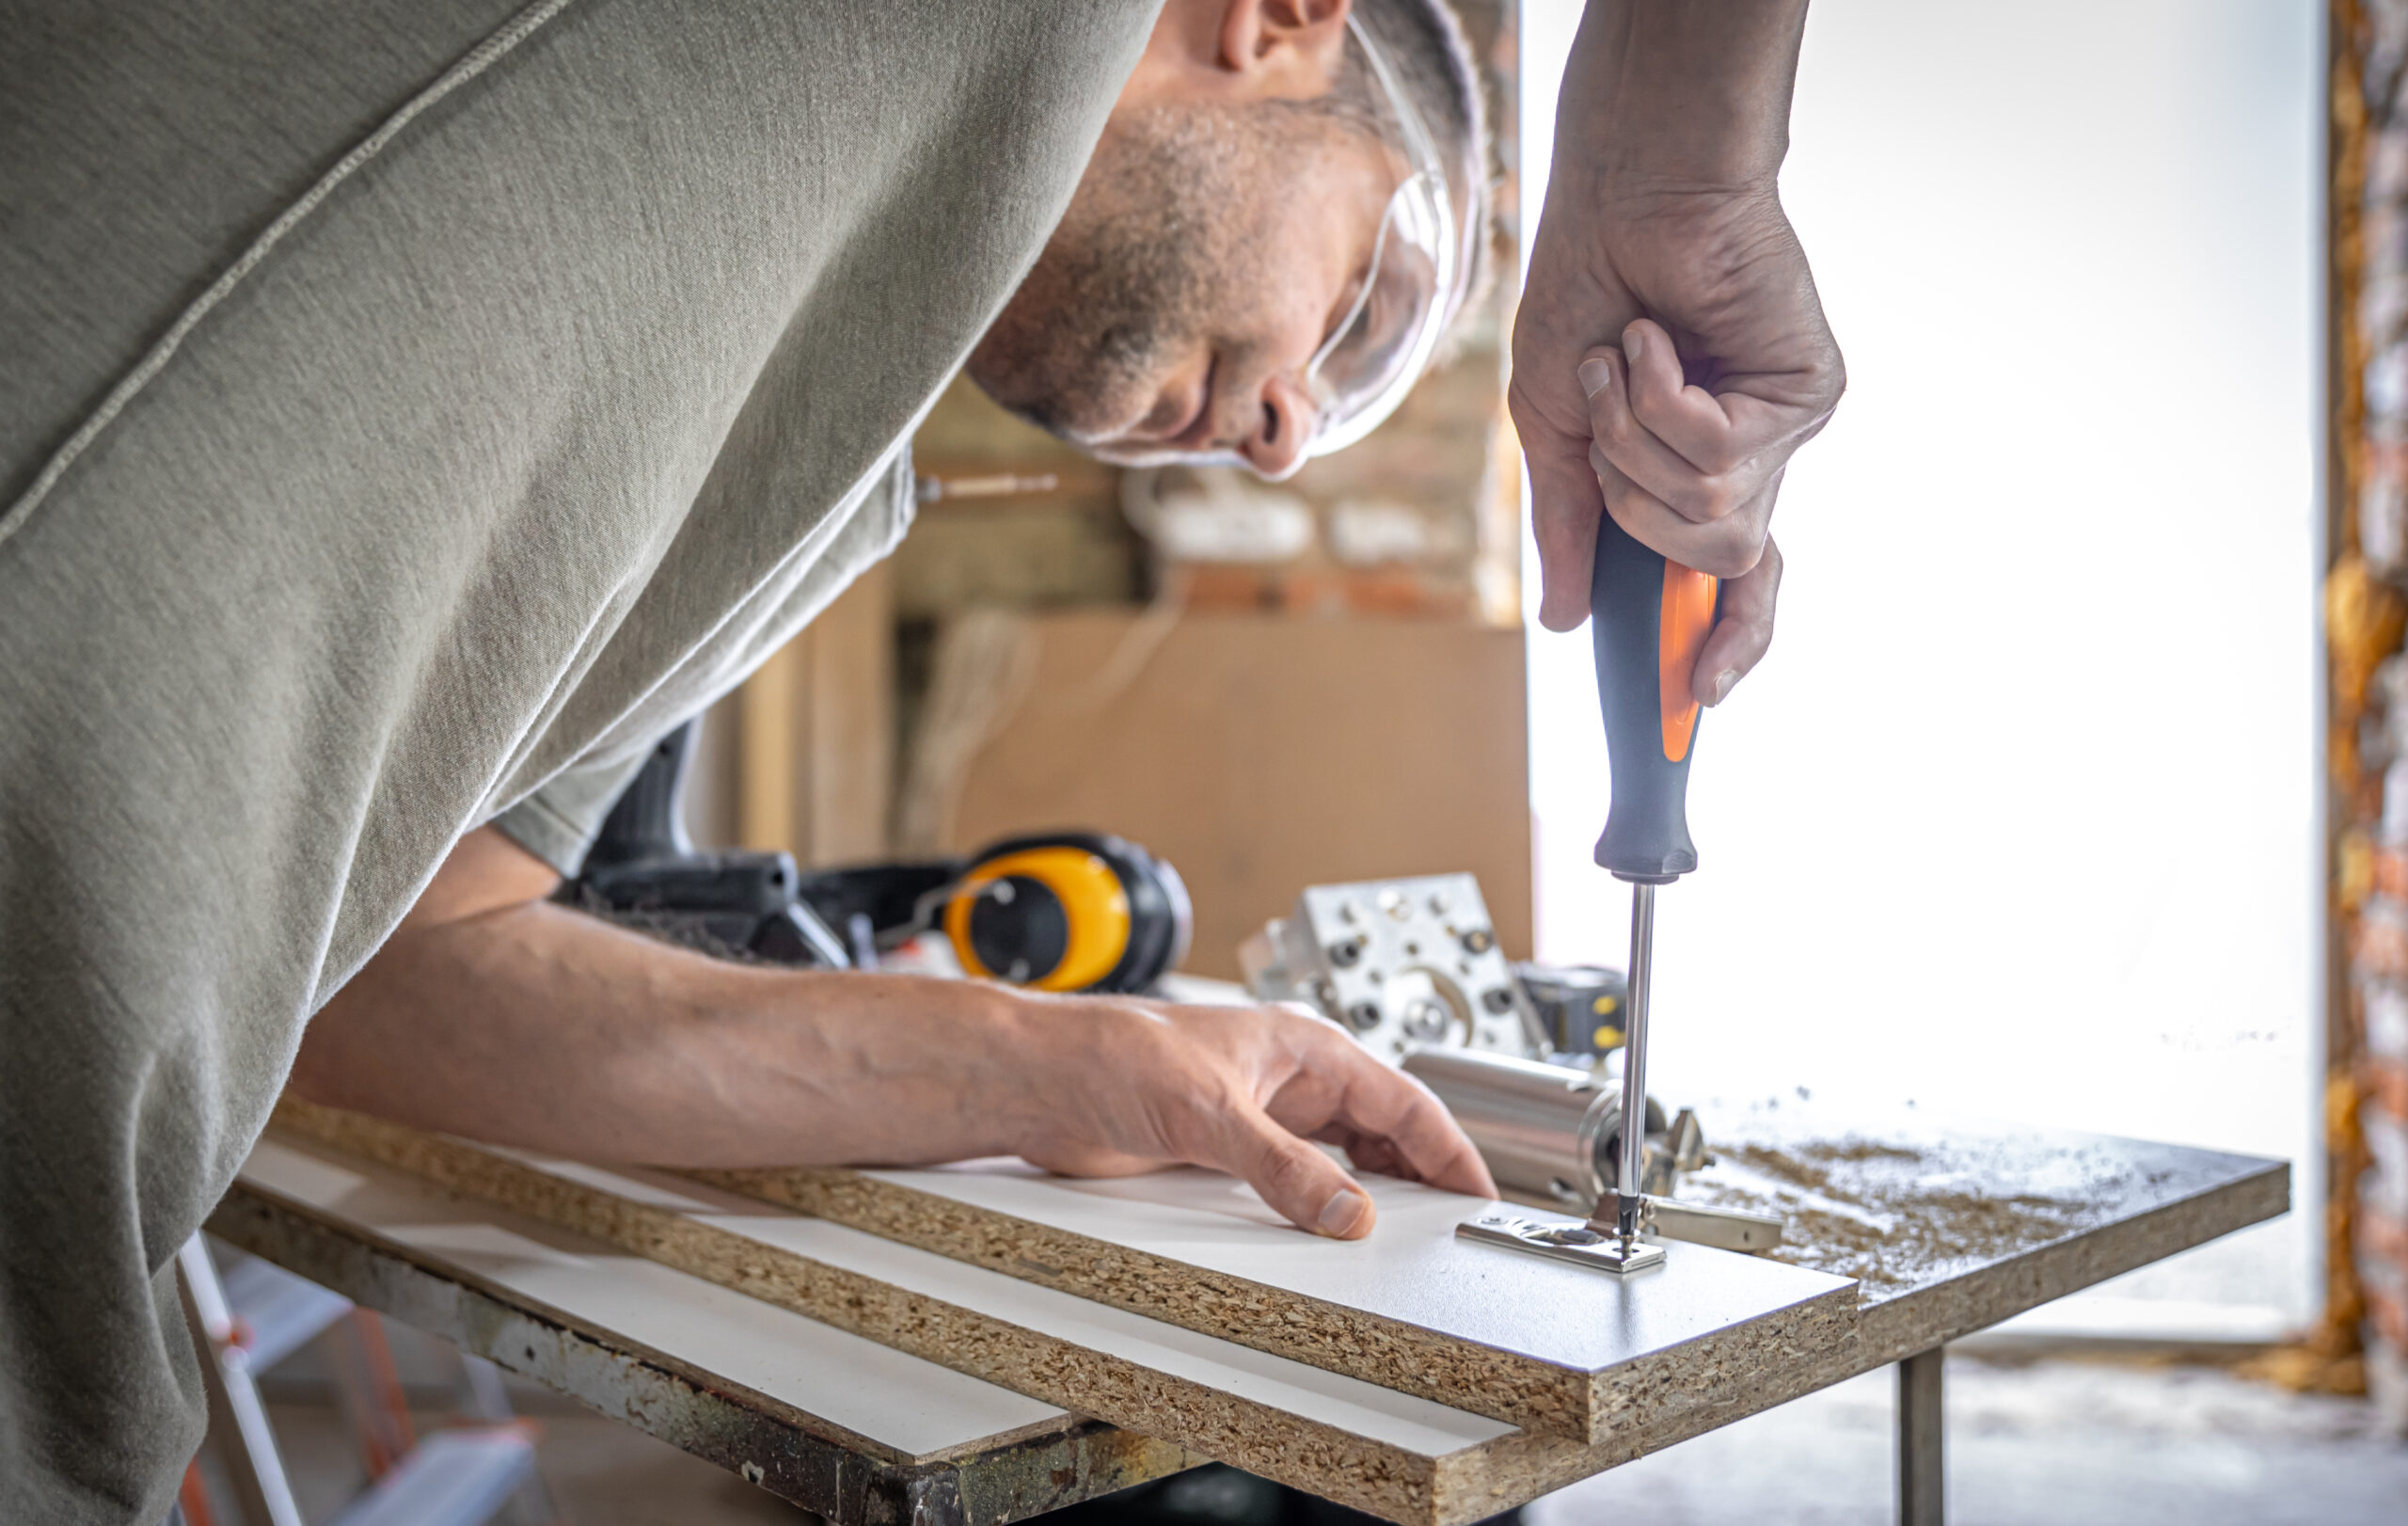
1891 1215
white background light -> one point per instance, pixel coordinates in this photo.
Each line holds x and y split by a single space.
2019 818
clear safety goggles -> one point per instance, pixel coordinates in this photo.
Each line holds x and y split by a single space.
1420 260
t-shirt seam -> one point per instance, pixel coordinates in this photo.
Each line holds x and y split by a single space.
473 63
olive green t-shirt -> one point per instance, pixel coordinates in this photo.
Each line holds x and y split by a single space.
408 410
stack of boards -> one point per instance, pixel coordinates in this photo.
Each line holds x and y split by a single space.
1421 1377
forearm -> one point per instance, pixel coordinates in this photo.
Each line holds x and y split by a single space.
495 1014
1678 95
539 1027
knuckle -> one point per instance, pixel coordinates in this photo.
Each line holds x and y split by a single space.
1612 421
1424 1126
1739 546
1704 499
1718 550
1655 408
1833 379
1286 1169
1299 1029
1721 458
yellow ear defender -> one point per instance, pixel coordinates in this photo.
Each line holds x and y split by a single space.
1058 911
1069 911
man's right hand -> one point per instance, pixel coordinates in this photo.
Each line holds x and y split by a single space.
1669 353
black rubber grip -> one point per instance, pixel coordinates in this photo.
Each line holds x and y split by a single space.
1647 826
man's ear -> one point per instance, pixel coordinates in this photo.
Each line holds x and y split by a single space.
1239 50
1275 39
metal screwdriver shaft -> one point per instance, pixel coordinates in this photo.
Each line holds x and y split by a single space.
1649 619
1627 1201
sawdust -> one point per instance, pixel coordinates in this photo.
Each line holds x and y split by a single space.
1891 1217
1799 1170
1857 1150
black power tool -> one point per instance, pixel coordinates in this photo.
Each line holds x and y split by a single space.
1064 911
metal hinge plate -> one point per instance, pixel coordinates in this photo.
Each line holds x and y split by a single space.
1575 1242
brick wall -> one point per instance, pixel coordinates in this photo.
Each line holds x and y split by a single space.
2366 613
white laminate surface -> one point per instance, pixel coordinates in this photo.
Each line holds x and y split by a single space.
1381 1415
1411 1268
915 1409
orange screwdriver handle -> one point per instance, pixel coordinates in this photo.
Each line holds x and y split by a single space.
1650 618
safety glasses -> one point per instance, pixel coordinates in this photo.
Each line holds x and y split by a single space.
1420 260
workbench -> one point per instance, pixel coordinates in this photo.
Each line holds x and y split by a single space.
1948 1229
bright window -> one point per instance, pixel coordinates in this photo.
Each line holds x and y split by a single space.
2021 816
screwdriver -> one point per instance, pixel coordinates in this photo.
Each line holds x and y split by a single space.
1650 617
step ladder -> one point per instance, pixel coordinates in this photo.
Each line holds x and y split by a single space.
247 1315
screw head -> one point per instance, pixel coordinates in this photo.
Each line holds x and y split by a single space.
1364 1016
1497 999
1479 941
1343 955
1425 1019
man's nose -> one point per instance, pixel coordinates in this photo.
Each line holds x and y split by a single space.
1277 446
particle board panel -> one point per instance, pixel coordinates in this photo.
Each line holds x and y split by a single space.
1951 1225
852 1431
1562 1349
1399 1456
2063 1211
873 1399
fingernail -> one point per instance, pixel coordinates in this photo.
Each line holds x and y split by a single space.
1345 1210
1596 376
1630 345
1722 682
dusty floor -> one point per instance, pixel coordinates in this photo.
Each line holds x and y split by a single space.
2056 1442
597 1473
2047 1444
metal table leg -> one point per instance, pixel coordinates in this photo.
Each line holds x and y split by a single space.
1921 1494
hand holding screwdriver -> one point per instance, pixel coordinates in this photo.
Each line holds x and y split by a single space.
1669 351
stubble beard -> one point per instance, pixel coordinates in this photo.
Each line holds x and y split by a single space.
1148 255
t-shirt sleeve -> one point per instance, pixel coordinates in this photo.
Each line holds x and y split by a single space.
559 822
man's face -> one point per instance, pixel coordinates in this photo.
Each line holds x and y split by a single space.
1209 250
